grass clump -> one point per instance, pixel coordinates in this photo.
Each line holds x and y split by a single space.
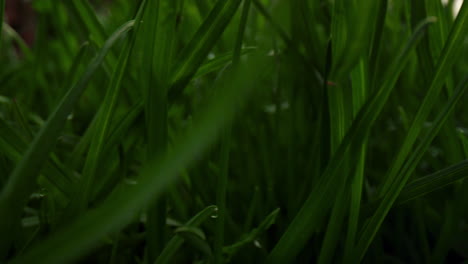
238 131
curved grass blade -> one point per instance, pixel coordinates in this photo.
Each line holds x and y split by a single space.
23 179
314 208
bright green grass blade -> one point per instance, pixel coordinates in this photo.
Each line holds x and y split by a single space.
23 179
106 114
430 183
154 178
204 40
176 242
370 230
301 228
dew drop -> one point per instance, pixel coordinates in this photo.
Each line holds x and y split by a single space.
257 244
215 213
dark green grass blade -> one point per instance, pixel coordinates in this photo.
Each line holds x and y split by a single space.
370 230
301 228
154 178
360 81
204 40
158 51
106 114
334 227
23 179
176 242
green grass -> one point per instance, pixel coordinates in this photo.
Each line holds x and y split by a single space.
238 131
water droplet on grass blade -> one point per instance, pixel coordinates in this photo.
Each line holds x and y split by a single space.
257 244
215 213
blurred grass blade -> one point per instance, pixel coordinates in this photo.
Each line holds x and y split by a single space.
23 179
176 242
154 178
316 205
